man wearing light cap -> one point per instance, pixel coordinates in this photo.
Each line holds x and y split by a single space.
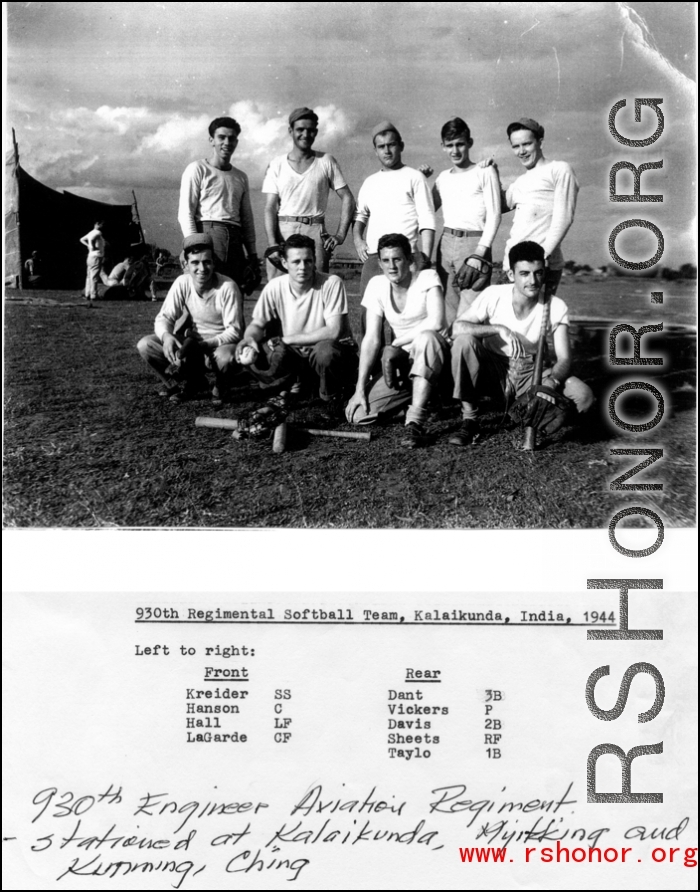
396 199
544 198
215 198
212 307
297 187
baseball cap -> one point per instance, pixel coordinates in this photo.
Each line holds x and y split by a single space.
197 240
526 124
304 112
382 127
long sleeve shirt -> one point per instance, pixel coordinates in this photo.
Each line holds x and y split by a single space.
544 199
216 318
221 196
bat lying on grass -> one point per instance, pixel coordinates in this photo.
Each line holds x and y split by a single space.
280 431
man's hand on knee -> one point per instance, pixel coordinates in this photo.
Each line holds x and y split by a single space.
357 401
171 349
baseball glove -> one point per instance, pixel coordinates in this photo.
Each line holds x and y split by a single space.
252 276
542 408
273 254
393 366
470 278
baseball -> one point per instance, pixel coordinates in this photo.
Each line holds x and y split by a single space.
248 356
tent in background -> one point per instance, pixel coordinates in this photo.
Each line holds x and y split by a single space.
41 219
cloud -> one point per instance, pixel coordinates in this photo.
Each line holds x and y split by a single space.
264 134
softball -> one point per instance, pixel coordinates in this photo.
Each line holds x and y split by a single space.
248 356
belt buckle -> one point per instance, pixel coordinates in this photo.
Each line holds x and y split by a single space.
306 221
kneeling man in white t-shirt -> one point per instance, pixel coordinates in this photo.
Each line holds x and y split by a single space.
412 302
495 342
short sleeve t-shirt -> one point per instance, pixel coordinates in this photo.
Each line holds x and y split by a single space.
303 194
301 315
378 299
494 306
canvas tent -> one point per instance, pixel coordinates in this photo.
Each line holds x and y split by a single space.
41 219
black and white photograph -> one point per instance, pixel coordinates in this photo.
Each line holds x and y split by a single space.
243 288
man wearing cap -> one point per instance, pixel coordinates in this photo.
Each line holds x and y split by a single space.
544 198
212 306
215 198
297 186
396 199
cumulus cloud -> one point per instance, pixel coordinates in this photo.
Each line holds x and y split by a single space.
264 134
139 146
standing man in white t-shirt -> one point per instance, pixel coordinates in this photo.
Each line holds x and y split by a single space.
215 198
470 197
297 187
495 342
396 199
544 198
411 301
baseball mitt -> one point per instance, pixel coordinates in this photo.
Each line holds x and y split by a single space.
252 276
273 254
393 362
542 408
470 278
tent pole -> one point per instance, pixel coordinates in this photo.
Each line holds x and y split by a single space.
15 149
136 214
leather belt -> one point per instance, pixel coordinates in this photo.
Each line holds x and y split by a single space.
307 220
462 233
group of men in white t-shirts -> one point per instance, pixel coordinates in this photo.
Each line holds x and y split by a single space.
299 325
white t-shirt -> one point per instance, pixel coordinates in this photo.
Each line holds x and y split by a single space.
378 299
303 194
494 306
219 316
395 201
301 315
221 196
544 199
466 195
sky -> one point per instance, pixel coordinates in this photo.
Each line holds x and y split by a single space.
110 97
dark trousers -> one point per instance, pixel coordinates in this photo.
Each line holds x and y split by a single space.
332 365
228 249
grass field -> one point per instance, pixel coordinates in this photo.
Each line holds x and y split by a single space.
89 443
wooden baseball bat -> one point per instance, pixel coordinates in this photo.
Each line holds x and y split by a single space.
345 435
530 440
279 440
229 424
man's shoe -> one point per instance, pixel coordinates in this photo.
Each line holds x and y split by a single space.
467 435
217 397
168 390
415 436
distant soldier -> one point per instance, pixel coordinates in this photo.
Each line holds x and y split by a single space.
297 187
215 198
95 243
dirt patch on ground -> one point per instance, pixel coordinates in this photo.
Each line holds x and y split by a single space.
89 443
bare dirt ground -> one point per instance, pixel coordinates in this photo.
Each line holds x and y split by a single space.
89 443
